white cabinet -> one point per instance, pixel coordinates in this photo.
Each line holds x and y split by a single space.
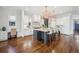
28 31
3 35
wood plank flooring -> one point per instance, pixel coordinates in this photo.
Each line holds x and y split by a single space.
66 44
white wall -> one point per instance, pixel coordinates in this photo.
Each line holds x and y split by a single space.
5 13
66 26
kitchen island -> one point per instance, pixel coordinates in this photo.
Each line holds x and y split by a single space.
42 35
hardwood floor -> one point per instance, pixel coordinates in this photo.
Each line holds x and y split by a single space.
66 44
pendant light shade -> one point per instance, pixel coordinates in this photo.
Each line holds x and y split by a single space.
47 14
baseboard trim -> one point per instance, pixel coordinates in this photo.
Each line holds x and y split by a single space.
67 34
27 35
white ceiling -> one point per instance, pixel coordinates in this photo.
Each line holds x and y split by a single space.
39 9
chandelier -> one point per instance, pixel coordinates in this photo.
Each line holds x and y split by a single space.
47 14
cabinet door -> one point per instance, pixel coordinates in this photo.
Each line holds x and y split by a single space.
39 35
3 36
27 32
34 34
46 37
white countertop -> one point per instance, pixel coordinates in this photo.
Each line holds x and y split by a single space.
45 30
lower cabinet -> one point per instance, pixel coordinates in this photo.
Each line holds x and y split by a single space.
41 36
27 32
3 35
